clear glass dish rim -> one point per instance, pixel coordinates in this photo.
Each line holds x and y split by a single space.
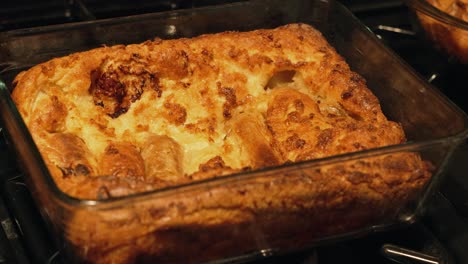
96 204
243 176
126 19
430 10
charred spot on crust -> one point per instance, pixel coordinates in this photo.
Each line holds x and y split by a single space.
108 92
77 170
460 4
66 172
82 170
294 142
346 95
324 138
293 117
212 164
111 150
176 113
115 88
231 100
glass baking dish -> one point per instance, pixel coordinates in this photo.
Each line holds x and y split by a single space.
130 229
446 31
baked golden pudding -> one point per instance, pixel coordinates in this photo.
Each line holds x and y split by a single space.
121 120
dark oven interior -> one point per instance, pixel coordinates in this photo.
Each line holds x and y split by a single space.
441 236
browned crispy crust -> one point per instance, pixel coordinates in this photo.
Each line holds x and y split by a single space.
119 120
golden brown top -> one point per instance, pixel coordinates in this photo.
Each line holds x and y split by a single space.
122 119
